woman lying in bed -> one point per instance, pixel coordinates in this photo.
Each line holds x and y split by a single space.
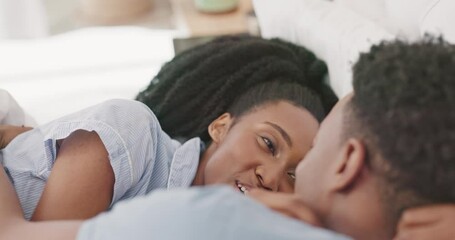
426 223
236 104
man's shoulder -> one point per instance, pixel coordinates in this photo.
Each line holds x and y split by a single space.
216 212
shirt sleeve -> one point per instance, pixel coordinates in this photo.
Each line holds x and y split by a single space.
129 131
199 213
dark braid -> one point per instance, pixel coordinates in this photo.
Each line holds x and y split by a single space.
315 73
202 83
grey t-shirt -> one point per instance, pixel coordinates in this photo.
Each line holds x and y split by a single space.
216 212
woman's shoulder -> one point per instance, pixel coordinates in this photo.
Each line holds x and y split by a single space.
117 117
116 112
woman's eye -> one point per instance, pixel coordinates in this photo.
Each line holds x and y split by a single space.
269 145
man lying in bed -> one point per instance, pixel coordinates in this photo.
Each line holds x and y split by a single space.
387 148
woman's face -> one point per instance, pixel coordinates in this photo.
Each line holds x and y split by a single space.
261 149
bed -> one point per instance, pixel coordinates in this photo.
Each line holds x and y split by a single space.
54 76
50 77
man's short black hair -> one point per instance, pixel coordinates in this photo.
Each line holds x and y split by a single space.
403 108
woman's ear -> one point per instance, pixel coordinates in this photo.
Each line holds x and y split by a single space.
349 165
219 127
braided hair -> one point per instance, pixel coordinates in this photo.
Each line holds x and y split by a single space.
234 74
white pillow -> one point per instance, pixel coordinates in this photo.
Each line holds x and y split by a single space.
338 31
334 33
439 19
11 113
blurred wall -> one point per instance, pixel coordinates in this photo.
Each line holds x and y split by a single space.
23 19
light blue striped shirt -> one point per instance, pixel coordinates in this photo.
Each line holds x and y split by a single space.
142 156
198 214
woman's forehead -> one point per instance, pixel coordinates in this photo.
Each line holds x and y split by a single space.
296 121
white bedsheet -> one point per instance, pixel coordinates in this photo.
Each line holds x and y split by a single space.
53 76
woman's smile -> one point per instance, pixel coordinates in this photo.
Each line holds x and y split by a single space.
243 188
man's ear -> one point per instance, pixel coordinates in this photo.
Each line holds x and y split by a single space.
349 165
219 127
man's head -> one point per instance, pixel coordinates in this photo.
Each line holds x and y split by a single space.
389 146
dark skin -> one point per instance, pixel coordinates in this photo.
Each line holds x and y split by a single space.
288 204
82 151
424 223
82 180
432 222
14 226
96 185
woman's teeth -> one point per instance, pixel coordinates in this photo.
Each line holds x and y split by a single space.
242 188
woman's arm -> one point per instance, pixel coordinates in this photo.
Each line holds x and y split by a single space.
49 230
10 210
14 226
288 204
81 182
426 223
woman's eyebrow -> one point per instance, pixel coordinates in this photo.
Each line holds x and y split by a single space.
283 133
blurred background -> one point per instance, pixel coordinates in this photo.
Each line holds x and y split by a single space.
58 56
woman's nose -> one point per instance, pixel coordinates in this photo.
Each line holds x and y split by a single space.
269 178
